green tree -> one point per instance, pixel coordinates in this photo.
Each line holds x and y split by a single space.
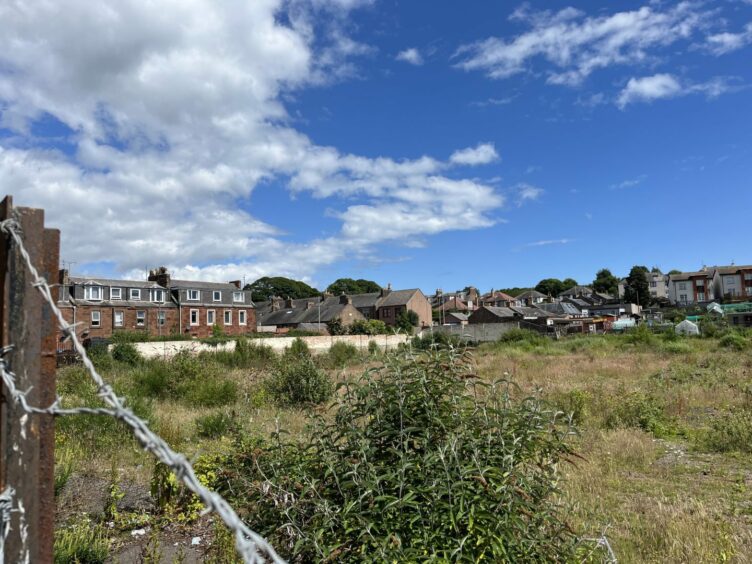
550 286
266 287
674 271
605 282
568 283
350 286
407 320
636 289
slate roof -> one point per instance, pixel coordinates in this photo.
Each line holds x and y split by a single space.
140 304
560 308
498 296
110 282
577 290
397 297
330 309
502 312
199 284
458 316
531 294
531 312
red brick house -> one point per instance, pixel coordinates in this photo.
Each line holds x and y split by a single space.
158 306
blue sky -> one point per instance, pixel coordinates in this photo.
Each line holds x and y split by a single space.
490 143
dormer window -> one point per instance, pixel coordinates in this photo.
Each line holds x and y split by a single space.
238 297
217 296
93 293
158 296
193 295
135 294
116 293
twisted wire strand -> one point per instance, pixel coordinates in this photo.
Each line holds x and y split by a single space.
251 546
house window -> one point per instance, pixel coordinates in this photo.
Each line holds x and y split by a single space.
116 293
653 284
241 317
96 319
238 297
158 296
682 285
211 317
193 295
140 318
93 293
730 280
700 297
161 317
194 316
117 319
749 291
228 317
216 296
135 294
748 276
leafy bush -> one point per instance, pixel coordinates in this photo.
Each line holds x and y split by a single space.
341 354
130 337
416 465
574 403
373 348
640 335
298 349
247 354
82 542
733 341
526 336
215 425
126 353
299 382
676 347
368 327
641 411
209 392
729 432
438 340
407 320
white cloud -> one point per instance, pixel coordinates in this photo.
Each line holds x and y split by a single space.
527 193
726 42
660 86
548 242
411 55
578 45
484 153
629 183
176 111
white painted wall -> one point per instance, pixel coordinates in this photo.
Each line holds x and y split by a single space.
168 349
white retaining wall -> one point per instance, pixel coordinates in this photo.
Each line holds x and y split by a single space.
167 349
481 332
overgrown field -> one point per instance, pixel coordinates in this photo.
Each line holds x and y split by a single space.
519 450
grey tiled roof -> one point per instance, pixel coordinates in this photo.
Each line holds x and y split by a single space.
397 297
531 294
111 282
199 284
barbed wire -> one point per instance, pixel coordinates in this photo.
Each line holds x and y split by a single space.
251 546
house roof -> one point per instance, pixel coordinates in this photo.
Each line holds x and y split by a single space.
112 282
532 312
577 290
498 295
501 312
561 308
452 303
732 269
458 316
200 284
531 294
397 297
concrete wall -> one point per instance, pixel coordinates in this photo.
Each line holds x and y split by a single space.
167 349
482 332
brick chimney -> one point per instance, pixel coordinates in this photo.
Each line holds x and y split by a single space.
345 299
236 283
386 291
161 276
276 302
310 305
288 303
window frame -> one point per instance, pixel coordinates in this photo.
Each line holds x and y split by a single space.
161 317
188 294
193 319
141 318
242 317
213 313
154 291
88 292
227 314
121 314
216 293
132 293
236 294
96 318
119 291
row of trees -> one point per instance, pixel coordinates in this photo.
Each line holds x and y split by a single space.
268 286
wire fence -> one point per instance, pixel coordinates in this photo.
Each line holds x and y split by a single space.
252 547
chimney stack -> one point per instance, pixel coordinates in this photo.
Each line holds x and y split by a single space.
161 276
345 299
288 303
236 283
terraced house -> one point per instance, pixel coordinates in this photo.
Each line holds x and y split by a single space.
158 306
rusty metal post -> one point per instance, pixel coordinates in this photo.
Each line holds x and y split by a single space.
27 441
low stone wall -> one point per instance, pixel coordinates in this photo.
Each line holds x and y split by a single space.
168 349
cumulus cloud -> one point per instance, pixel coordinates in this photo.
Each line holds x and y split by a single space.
482 154
411 55
577 45
175 111
726 42
661 86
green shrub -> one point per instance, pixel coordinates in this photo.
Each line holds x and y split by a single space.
641 411
83 542
416 465
733 341
298 349
407 321
368 327
126 353
574 404
130 337
640 335
373 348
676 347
299 382
215 425
523 336
208 392
729 432
341 354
